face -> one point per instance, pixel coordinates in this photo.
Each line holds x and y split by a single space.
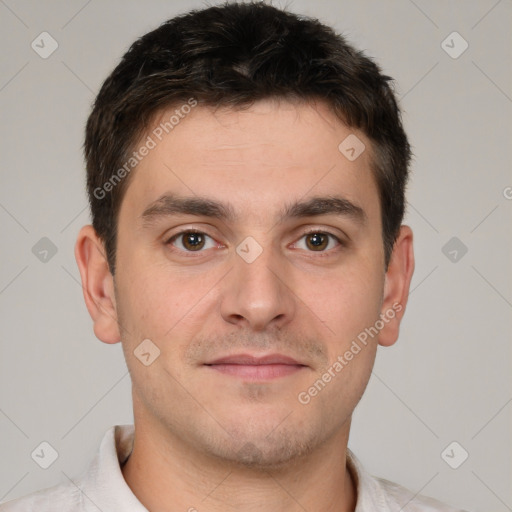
250 254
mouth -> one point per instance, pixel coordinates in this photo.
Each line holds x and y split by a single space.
249 367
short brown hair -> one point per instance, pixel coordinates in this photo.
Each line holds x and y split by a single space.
233 55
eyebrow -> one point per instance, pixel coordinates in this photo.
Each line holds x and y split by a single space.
171 204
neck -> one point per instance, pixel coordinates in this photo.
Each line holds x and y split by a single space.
162 470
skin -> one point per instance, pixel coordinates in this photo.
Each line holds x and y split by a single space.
211 441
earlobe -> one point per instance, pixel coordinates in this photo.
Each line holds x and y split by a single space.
97 285
396 289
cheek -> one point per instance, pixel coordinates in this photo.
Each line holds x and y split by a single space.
347 301
160 302
348 305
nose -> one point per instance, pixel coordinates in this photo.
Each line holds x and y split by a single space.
258 295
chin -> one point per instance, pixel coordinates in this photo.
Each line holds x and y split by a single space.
266 452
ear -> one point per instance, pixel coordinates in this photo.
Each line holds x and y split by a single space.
97 285
396 286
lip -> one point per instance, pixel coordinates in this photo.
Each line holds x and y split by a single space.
248 359
251 367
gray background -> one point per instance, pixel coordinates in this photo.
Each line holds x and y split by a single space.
448 377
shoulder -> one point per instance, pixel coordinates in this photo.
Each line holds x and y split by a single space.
99 487
63 497
381 495
400 498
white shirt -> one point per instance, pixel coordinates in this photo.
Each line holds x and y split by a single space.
102 486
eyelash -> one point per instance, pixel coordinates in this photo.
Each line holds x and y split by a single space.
309 232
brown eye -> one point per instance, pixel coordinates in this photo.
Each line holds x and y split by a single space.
317 241
191 241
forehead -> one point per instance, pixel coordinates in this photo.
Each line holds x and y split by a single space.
253 158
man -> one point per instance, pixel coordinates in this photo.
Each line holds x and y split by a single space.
246 171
